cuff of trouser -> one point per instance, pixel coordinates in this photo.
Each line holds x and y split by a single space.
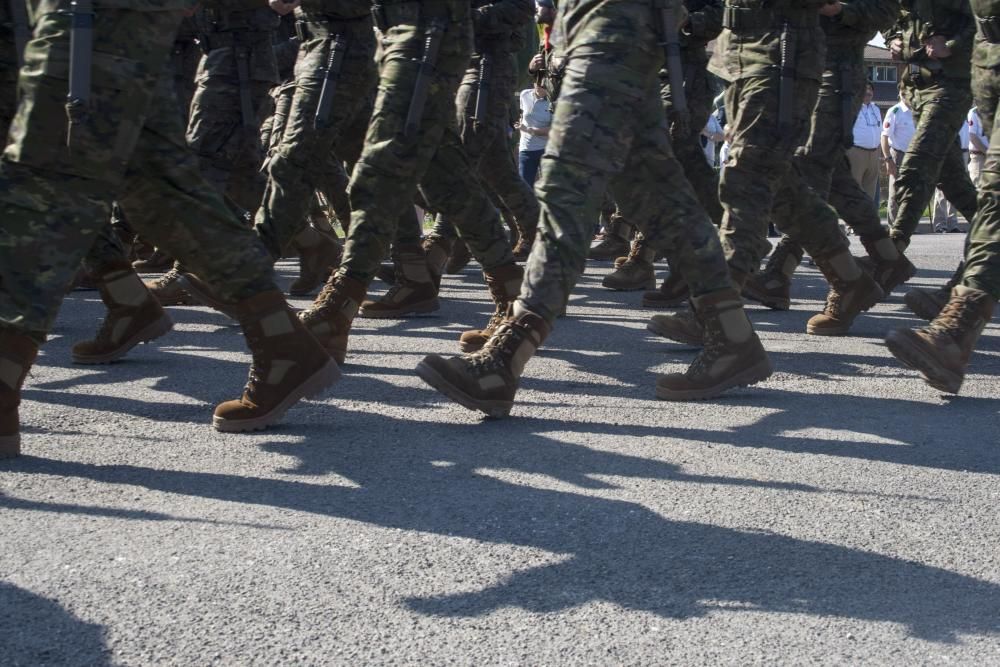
976 281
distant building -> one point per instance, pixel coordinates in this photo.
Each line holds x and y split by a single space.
884 75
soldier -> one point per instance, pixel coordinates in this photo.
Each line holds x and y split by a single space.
704 24
822 159
125 140
411 140
935 41
609 122
482 111
769 117
941 350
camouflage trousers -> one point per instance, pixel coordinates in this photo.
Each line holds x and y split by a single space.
934 157
54 201
227 145
761 177
822 161
609 128
303 159
392 163
982 254
489 150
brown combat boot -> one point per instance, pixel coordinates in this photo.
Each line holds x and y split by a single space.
155 263
134 316
436 251
927 303
886 263
17 354
413 292
487 380
615 242
168 289
732 354
459 258
772 286
672 293
940 351
636 272
319 256
330 317
288 365
504 283
852 291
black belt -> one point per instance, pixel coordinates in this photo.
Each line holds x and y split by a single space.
861 148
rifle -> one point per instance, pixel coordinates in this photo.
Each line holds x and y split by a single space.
432 44
81 44
333 66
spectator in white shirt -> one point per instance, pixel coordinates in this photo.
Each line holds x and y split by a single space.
536 117
944 217
979 143
864 154
897 133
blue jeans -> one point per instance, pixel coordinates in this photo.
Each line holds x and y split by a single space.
528 163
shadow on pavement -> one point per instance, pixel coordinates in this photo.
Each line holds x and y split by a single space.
37 631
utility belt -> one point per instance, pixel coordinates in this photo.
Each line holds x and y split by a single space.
740 19
387 13
989 28
232 38
308 28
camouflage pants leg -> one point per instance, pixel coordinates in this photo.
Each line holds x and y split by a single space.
53 202
761 176
934 156
304 159
230 154
385 178
982 255
610 121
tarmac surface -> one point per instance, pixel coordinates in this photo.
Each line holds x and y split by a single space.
841 512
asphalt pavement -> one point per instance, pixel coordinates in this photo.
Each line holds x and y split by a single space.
843 512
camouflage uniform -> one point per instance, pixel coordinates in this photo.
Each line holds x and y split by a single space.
385 178
822 160
982 255
760 175
938 92
497 27
609 120
303 160
54 201
8 66
238 59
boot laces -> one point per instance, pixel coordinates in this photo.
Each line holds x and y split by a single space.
322 302
166 279
714 342
957 316
490 358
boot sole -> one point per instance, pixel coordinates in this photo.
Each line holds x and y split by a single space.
314 385
757 373
492 409
421 308
632 288
876 295
149 333
670 334
771 302
914 355
921 305
10 446
663 305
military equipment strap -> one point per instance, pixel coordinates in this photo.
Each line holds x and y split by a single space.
22 29
786 82
483 89
432 44
338 48
81 45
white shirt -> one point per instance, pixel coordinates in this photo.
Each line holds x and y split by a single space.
867 127
724 154
975 126
712 127
534 113
898 126
963 136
